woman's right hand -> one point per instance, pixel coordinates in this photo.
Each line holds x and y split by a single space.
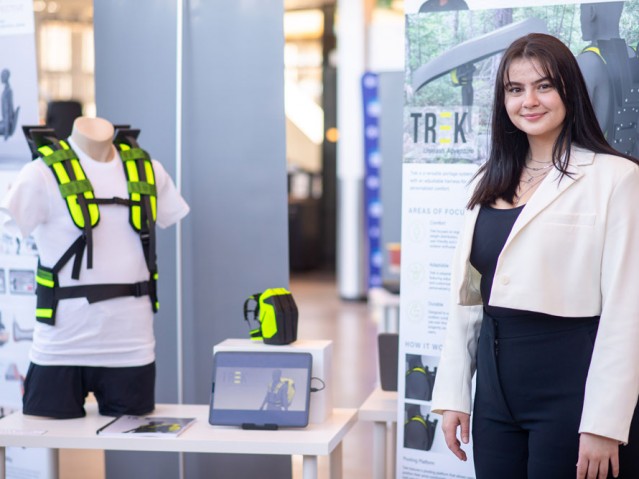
453 420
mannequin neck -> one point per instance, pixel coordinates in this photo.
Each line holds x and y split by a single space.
94 136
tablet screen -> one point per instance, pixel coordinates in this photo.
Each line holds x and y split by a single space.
261 389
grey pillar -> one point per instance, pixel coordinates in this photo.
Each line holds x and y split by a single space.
391 97
234 178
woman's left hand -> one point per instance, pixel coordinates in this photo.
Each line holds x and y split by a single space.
596 455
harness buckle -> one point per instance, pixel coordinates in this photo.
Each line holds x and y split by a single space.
141 289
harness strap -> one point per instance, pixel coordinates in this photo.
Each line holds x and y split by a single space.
113 201
76 190
143 194
76 249
596 51
101 292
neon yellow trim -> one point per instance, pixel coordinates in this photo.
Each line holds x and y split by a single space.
94 212
45 282
44 313
419 419
45 150
148 169
61 173
77 169
596 51
453 77
150 178
132 171
72 200
136 211
76 212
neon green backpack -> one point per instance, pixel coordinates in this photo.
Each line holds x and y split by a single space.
272 316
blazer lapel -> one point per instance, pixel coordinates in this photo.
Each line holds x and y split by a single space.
550 189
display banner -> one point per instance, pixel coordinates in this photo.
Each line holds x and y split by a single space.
453 50
18 257
19 82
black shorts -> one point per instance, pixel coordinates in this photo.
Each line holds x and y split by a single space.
59 391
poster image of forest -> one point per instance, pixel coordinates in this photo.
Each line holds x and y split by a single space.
451 62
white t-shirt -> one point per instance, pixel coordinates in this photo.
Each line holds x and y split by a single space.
114 333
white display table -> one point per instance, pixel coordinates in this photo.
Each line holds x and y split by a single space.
310 442
381 408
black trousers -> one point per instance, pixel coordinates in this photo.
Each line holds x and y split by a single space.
531 376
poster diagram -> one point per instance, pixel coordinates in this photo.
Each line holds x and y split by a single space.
18 80
18 262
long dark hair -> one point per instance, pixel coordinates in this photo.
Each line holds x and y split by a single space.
501 172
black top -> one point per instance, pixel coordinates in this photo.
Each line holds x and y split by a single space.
491 232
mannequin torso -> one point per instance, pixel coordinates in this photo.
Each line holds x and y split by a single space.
94 136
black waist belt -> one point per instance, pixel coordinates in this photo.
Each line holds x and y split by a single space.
102 292
48 293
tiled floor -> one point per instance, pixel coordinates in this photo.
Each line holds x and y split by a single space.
322 315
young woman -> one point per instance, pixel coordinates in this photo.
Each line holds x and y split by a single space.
544 306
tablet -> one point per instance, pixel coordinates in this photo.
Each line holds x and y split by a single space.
260 390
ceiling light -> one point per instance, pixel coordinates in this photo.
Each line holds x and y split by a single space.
39 5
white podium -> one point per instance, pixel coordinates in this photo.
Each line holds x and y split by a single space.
321 350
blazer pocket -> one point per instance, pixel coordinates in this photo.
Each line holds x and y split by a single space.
570 219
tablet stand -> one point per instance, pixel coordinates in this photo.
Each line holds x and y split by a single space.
262 427
321 350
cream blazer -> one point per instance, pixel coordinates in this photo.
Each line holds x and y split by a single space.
573 252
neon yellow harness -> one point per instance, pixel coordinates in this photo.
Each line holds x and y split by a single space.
77 191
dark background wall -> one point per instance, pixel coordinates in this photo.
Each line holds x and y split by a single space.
234 178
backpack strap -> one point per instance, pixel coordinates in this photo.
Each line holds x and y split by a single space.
76 190
594 49
251 316
142 190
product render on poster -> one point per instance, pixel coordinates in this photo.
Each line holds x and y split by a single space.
451 58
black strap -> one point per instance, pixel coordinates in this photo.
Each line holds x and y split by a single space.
113 201
102 292
255 312
76 249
